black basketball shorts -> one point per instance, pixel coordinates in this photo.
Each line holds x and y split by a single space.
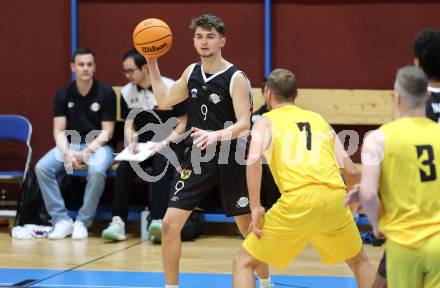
190 189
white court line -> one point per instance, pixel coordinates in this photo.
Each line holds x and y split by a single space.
91 286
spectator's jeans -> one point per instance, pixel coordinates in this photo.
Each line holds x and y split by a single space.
52 164
159 191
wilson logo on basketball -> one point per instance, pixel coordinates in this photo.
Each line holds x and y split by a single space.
154 48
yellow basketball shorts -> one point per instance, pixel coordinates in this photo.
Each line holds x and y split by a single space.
289 226
414 267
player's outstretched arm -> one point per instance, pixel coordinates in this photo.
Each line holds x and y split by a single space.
167 97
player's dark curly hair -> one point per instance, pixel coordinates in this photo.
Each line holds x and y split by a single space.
208 22
427 50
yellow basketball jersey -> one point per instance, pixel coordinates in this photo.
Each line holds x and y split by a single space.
410 183
301 154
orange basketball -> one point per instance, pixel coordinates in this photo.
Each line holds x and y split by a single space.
152 37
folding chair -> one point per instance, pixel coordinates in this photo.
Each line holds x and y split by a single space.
15 128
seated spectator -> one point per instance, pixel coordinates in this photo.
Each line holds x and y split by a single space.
138 96
84 119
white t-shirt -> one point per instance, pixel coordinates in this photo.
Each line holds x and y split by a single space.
141 98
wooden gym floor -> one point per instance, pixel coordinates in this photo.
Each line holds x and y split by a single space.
97 263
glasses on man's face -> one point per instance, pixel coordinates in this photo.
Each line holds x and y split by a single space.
129 71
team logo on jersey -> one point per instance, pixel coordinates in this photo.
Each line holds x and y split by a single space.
194 93
214 98
174 198
70 105
242 202
204 87
95 107
435 107
185 174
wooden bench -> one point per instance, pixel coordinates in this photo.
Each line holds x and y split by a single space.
342 106
337 106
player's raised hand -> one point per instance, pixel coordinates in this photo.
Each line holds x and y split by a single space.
151 60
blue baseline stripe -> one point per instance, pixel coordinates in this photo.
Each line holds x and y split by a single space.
122 279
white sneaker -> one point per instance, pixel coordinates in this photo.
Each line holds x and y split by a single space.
115 230
62 229
79 231
267 285
19 232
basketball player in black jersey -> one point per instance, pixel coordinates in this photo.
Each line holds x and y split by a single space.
218 114
427 57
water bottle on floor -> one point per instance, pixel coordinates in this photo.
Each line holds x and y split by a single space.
144 224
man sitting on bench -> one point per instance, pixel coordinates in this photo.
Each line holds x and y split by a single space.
84 119
137 100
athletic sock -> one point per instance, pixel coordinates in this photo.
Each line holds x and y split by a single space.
265 283
171 286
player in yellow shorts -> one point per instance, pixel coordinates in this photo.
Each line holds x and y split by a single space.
400 160
300 150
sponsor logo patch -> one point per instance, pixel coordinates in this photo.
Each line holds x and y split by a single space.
194 93
242 202
185 174
214 98
95 107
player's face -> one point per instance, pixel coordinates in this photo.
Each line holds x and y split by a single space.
208 42
132 72
84 67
